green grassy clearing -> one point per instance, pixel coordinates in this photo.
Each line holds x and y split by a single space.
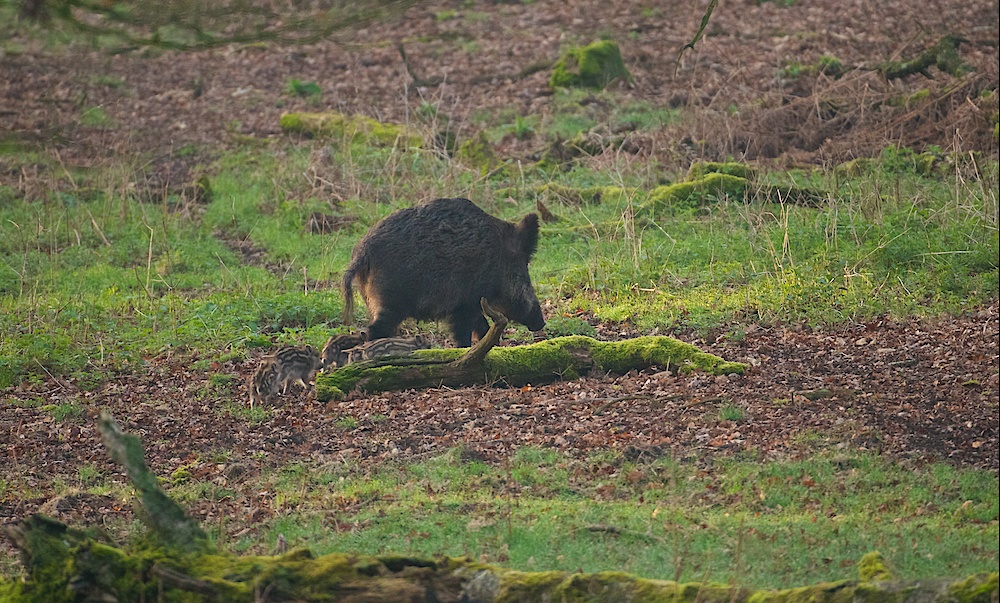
756 524
79 266
92 277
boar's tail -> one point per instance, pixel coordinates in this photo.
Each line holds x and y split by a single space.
347 287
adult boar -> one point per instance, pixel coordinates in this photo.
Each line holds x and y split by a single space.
435 261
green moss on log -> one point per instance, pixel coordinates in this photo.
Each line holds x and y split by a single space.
352 127
709 183
978 587
700 169
380 375
622 356
170 524
90 571
706 182
558 358
943 55
697 193
64 565
593 66
872 568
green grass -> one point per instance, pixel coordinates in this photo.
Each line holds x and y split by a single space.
347 422
729 412
758 524
77 265
919 249
63 412
240 410
96 117
91 277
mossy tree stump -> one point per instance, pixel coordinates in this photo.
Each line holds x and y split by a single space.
596 66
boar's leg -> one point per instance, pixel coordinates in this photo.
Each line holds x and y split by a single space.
465 321
480 327
384 325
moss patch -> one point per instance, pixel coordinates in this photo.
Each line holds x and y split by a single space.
477 152
979 587
352 127
700 169
872 568
697 193
622 356
298 575
593 66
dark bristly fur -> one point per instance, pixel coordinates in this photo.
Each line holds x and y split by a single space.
436 260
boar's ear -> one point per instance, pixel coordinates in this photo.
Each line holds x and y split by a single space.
527 234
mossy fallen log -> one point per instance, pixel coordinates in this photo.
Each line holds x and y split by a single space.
332 124
943 55
170 524
66 565
708 182
558 358
699 169
63 565
705 183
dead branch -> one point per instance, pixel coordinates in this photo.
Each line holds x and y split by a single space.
943 55
477 353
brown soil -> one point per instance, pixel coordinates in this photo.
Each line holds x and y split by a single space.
916 390
159 102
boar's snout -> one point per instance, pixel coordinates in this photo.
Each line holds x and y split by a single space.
535 321
531 315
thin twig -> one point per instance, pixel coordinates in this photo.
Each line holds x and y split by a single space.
98 229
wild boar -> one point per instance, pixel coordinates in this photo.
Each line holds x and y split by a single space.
334 352
287 366
296 365
386 348
262 382
435 261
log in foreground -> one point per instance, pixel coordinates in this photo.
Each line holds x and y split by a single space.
559 358
64 564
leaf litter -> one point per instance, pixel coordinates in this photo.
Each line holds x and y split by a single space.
916 390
